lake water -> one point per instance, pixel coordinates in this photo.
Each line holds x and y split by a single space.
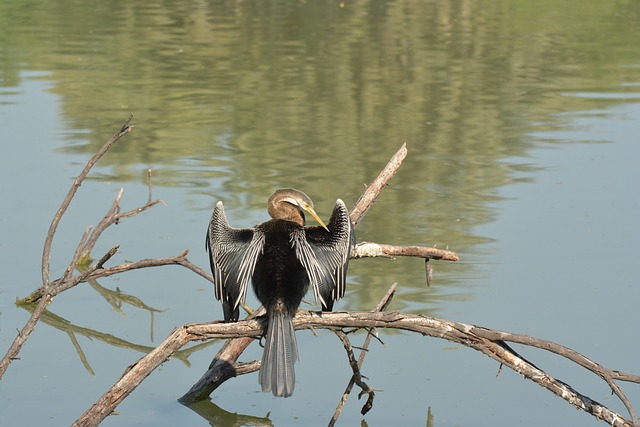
522 121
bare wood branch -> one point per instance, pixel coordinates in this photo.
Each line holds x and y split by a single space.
223 366
375 188
47 284
381 306
429 326
151 262
107 220
132 377
97 271
357 376
372 250
113 216
23 335
606 374
46 253
76 255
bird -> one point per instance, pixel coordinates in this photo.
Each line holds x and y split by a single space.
283 258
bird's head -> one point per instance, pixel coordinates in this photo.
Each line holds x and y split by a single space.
291 204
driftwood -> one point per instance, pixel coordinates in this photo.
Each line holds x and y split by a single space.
239 335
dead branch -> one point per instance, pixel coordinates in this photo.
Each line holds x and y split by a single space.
357 376
113 216
44 295
23 335
608 375
132 377
47 284
472 336
46 253
223 366
375 188
372 250
381 306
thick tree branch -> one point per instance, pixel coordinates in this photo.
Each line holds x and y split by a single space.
372 250
464 334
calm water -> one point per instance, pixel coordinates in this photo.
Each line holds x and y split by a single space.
521 119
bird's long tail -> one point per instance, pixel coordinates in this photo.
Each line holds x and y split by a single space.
280 353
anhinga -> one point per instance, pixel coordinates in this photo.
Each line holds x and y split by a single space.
282 258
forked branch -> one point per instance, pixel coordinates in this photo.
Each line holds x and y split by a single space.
464 334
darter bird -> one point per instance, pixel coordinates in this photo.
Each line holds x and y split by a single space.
282 257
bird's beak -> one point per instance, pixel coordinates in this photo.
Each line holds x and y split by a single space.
315 215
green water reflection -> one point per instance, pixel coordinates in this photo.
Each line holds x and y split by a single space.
255 92
233 99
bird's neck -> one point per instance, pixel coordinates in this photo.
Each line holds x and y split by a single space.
287 212
294 216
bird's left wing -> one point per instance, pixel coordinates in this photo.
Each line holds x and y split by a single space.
325 255
233 253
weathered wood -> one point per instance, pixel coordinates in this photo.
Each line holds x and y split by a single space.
375 188
472 336
372 250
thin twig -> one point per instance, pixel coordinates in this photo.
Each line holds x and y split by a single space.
46 253
381 306
357 376
98 270
76 255
113 216
375 188
47 285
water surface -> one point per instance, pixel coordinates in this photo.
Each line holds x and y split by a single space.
521 120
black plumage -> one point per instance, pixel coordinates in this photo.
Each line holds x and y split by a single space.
282 257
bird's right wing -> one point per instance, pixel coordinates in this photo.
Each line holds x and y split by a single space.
233 253
325 255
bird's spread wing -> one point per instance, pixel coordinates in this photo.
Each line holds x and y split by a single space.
325 255
233 253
